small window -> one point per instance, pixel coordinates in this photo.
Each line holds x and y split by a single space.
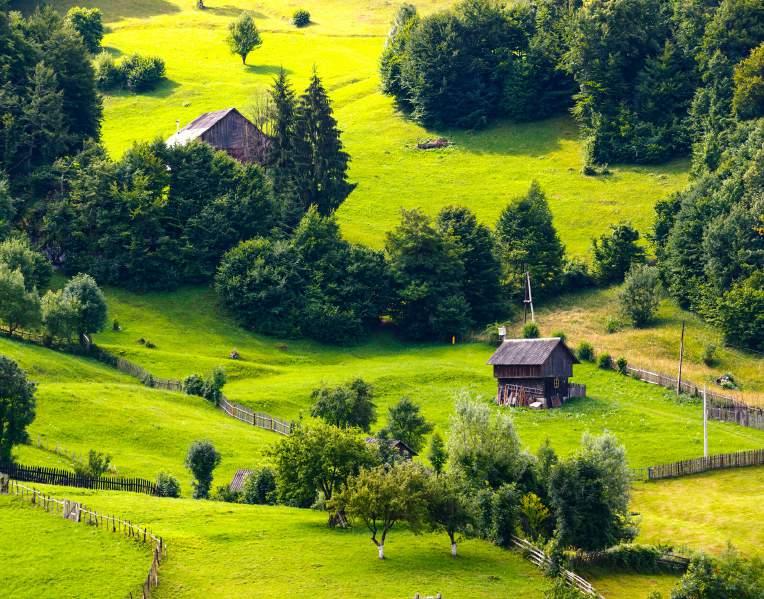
557 383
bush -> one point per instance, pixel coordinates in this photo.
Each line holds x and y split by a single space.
709 354
301 18
167 485
563 337
260 487
622 365
640 294
97 465
531 330
193 384
201 460
224 493
604 361
209 388
576 275
136 73
585 352
613 325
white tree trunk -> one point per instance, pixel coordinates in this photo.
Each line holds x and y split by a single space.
453 549
381 550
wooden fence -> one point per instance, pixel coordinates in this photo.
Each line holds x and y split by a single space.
255 418
720 406
543 561
76 512
740 459
56 476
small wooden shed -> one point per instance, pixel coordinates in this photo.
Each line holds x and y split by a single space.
226 130
530 371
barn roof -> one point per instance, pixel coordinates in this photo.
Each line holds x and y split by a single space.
199 126
527 352
241 476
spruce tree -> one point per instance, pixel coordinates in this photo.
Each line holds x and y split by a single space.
320 162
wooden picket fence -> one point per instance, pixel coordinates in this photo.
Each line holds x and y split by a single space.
543 561
725 408
739 459
257 419
76 512
65 478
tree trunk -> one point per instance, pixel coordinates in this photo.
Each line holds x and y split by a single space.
243 59
381 551
453 549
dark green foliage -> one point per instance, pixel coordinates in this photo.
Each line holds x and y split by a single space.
741 313
531 331
622 365
576 275
560 335
604 361
97 465
589 493
88 23
346 406
615 253
301 18
201 460
318 459
193 384
151 220
17 254
320 162
585 352
209 387
48 100
641 294
243 36
19 307
505 514
449 506
7 210
437 453
17 407
134 72
479 60
167 485
83 291
406 423
427 272
482 271
260 487
718 578
748 99
281 167
527 240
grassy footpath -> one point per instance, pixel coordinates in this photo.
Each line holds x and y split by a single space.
482 170
706 511
226 550
65 559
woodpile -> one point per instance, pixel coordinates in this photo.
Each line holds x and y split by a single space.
433 144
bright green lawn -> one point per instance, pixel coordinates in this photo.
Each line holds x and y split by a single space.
65 559
706 511
228 550
483 170
278 377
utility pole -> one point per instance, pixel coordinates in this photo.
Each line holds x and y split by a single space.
528 301
681 357
705 424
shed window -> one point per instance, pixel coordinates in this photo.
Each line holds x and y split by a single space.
557 382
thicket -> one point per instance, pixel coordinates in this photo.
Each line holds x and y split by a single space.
135 72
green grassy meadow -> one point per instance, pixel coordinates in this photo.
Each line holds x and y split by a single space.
230 550
65 559
482 170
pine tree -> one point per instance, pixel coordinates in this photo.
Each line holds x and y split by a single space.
320 162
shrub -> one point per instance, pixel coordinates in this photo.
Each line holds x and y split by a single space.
142 73
504 514
576 275
604 361
301 18
640 294
621 365
615 253
213 385
97 465
224 493
613 325
531 330
709 354
201 460
563 337
585 352
260 487
167 485
193 384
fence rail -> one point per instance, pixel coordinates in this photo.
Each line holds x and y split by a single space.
739 459
542 560
76 512
57 476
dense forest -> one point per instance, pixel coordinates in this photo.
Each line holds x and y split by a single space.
646 79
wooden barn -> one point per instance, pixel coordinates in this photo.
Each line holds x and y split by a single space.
534 372
226 130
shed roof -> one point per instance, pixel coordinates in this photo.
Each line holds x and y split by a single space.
241 476
527 352
199 126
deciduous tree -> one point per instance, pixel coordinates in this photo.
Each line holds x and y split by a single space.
243 36
17 407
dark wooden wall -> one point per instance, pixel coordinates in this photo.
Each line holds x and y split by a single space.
240 138
559 363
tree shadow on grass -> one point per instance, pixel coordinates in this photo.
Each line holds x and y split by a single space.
112 11
265 69
233 11
163 90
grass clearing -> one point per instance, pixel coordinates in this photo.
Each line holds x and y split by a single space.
228 550
65 559
482 170
706 511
